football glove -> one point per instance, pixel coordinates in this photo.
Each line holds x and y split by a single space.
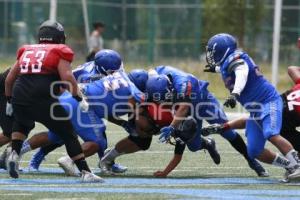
166 133
211 68
9 108
231 100
84 105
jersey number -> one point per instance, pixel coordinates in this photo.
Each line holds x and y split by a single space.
115 83
292 99
35 67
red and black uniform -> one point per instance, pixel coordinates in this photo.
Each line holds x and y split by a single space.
291 116
38 70
32 100
163 116
6 122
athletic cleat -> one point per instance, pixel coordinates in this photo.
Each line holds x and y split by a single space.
295 174
212 150
118 169
106 167
285 177
258 168
88 177
67 164
13 165
36 160
3 157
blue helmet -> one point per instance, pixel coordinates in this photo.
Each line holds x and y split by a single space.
107 61
219 47
139 77
159 88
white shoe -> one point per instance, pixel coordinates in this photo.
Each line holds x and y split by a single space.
88 177
285 177
67 164
295 174
13 164
105 165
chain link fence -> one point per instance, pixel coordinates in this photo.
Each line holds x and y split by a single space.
148 31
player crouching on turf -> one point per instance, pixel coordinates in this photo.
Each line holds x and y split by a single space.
28 88
132 144
290 115
248 86
113 95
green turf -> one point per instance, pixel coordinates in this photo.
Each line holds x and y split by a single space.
144 164
193 165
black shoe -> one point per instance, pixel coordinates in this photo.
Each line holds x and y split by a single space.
13 165
258 168
3 157
212 150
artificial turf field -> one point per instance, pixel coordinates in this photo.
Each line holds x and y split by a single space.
197 177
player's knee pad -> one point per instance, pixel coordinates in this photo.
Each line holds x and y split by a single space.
187 129
142 143
254 152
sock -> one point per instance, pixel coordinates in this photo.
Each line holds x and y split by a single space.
112 155
292 156
51 147
16 146
25 147
82 165
280 161
238 144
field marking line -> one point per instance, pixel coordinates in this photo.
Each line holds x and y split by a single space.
16 194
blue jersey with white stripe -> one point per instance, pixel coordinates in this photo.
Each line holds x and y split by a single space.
257 88
184 84
109 96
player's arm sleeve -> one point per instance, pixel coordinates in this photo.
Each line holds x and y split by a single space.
179 148
241 71
183 92
66 53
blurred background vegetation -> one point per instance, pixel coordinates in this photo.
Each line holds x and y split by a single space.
154 32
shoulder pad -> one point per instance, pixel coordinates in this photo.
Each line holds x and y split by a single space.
65 52
235 64
20 51
232 57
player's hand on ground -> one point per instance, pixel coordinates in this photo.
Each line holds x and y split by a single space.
160 174
212 129
166 133
231 100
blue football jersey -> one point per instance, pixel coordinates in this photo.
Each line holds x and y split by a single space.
184 84
86 73
257 88
80 120
109 96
